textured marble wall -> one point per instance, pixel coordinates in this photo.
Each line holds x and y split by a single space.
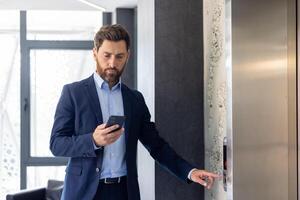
215 91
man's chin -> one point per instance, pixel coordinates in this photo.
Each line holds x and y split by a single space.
112 79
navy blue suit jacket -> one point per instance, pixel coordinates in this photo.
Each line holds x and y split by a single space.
77 115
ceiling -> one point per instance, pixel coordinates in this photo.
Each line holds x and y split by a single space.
109 5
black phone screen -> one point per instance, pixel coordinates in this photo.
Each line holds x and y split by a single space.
115 119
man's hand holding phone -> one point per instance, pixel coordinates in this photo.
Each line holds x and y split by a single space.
108 133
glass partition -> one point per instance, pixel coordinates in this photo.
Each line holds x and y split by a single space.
62 25
9 103
49 71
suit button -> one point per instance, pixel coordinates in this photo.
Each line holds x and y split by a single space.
97 170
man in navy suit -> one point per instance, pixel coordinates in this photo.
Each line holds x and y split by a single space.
102 162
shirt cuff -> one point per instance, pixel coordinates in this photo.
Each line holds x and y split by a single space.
95 146
190 173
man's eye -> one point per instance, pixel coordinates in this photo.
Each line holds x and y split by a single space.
106 56
119 57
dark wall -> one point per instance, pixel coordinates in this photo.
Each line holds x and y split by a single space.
179 90
127 18
106 18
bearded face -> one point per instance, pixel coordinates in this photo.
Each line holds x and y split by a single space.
111 59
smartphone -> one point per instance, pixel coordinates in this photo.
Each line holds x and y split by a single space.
115 119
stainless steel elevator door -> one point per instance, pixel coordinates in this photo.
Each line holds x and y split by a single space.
263 100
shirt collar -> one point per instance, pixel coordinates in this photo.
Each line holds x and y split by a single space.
102 84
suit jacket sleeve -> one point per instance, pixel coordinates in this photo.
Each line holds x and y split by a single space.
160 150
64 140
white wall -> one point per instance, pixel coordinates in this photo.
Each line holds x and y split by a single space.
145 84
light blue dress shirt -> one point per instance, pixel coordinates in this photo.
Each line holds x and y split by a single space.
111 102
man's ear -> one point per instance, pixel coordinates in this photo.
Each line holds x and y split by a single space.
95 52
128 55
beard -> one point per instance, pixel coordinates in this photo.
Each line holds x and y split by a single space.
111 75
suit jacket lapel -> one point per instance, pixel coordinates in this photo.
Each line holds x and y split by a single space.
93 98
127 110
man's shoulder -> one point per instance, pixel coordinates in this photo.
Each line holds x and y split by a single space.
137 95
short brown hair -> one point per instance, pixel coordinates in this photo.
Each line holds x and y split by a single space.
113 33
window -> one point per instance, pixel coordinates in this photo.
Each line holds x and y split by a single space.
62 25
55 50
47 76
38 176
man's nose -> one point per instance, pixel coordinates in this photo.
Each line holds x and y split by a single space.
112 62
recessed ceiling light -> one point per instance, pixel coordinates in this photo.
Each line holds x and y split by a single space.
92 5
